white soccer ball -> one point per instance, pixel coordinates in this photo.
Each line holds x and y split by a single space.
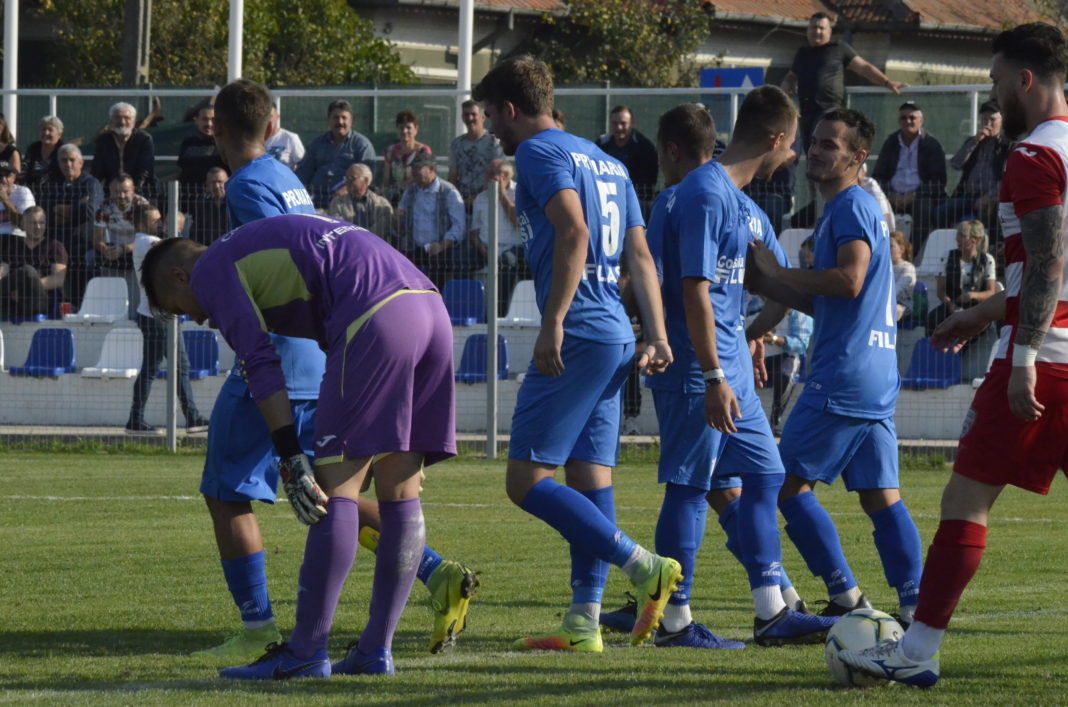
857 630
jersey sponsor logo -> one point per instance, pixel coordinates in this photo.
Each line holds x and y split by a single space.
882 339
526 230
331 236
297 197
601 273
730 271
598 167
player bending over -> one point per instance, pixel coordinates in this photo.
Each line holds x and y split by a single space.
1016 431
578 212
387 392
241 465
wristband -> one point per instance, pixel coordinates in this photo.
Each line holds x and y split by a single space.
1023 356
716 375
285 442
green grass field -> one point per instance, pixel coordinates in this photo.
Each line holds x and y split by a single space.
109 579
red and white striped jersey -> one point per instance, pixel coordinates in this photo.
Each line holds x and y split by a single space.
1036 176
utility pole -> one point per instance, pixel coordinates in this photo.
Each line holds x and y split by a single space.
136 42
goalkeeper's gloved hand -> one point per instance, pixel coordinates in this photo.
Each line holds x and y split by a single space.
305 496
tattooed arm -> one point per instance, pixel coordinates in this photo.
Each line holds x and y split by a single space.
1039 291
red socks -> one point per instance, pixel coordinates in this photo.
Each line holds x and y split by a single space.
952 561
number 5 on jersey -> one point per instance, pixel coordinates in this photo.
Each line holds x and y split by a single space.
610 212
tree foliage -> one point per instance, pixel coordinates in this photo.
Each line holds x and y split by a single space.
627 42
311 42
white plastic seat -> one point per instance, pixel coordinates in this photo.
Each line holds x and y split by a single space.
790 241
935 251
120 356
523 309
105 302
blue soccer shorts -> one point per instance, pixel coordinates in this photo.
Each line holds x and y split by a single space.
575 415
241 464
817 445
694 454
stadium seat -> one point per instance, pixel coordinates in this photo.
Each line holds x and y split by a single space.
929 368
523 308
466 301
105 301
473 361
120 355
51 354
917 316
790 241
939 243
202 348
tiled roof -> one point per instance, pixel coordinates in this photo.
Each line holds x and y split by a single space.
792 9
988 15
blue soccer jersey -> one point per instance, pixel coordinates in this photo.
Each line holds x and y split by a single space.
552 161
262 188
853 370
702 229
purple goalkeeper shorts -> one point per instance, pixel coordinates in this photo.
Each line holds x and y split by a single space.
388 385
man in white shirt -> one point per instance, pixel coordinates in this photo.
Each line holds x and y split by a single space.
14 199
511 252
284 145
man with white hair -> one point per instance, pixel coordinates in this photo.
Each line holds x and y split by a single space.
361 206
123 148
284 145
71 201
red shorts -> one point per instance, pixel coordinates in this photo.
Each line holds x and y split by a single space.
998 448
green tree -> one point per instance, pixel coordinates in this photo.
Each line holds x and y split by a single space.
627 42
312 42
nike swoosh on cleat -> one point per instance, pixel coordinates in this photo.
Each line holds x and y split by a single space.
581 640
279 674
655 596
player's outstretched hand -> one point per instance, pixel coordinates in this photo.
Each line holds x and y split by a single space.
958 329
1022 401
763 259
305 496
760 371
547 347
721 407
654 356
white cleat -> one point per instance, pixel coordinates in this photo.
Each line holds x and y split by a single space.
888 662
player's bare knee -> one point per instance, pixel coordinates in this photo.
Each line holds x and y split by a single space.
719 499
967 499
794 486
584 476
521 477
874 500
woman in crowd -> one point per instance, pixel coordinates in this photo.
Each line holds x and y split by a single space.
969 277
8 152
396 168
904 273
41 163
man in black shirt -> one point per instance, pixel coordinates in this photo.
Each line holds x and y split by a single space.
817 74
197 155
635 151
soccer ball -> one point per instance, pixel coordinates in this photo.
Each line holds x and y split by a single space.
857 630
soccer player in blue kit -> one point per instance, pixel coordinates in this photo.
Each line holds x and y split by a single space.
842 423
241 463
713 428
578 212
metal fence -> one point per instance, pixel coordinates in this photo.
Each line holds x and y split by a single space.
87 341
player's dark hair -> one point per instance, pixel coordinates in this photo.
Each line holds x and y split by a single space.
139 215
691 128
820 16
863 130
1036 46
522 81
407 116
620 108
766 111
340 104
166 253
243 109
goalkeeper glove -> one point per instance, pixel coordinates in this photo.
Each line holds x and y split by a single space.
305 496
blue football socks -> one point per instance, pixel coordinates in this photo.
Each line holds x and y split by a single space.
813 533
428 564
900 548
758 529
679 532
728 520
246 577
580 522
588 573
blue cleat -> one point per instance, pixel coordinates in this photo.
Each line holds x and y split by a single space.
696 636
789 627
622 619
379 662
279 663
887 661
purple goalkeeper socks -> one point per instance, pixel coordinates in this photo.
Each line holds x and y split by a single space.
328 556
400 549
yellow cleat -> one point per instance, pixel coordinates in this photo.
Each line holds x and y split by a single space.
653 594
451 588
577 634
249 643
